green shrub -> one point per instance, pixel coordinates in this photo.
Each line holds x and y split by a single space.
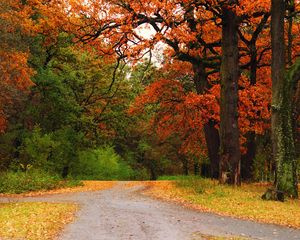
101 164
32 180
141 174
36 149
66 152
139 170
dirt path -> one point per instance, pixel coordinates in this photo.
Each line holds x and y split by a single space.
122 213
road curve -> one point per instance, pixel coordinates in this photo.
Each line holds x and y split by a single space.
123 213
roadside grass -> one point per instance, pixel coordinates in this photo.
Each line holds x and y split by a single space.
33 180
34 221
244 202
84 186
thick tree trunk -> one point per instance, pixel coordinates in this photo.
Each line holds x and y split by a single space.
212 137
230 147
282 130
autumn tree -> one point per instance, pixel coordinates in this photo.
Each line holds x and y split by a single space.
192 34
254 47
15 29
179 25
122 28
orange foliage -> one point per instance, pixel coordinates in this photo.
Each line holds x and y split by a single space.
190 29
178 113
15 73
185 113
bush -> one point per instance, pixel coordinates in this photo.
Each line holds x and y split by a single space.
32 180
36 149
101 164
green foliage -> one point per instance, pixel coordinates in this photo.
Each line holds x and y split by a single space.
36 149
9 142
56 105
69 143
144 146
261 167
50 152
31 180
70 114
101 164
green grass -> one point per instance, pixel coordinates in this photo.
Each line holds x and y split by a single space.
178 177
33 180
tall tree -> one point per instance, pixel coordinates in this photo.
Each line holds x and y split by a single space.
282 130
229 131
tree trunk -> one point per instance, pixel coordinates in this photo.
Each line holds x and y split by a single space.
65 172
212 137
253 63
196 168
281 126
248 158
291 11
153 173
296 116
230 147
185 164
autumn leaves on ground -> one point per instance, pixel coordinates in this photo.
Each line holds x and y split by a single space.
37 221
34 221
46 220
244 202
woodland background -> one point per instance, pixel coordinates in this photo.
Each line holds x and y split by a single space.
82 98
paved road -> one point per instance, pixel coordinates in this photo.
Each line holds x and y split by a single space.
123 214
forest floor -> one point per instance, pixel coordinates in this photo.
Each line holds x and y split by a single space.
123 212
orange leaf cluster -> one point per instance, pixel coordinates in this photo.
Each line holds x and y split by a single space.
177 112
185 114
